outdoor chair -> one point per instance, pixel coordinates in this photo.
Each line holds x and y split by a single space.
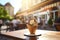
22 26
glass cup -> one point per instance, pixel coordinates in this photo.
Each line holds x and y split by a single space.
32 26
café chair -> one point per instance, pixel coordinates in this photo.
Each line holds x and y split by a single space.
22 26
57 26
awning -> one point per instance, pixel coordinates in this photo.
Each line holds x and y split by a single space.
38 6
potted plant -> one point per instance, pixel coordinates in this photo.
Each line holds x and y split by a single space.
50 22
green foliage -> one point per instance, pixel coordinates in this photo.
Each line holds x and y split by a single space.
50 22
4 14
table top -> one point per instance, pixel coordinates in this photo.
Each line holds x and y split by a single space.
45 34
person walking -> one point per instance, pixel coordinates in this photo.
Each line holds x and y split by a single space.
15 23
57 23
1 22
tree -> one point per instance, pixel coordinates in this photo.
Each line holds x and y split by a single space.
4 14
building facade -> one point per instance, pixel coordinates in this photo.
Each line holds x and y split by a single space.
9 8
26 4
33 6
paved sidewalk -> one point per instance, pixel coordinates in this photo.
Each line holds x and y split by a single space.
3 29
46 27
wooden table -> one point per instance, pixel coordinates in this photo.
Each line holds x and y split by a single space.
45 35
